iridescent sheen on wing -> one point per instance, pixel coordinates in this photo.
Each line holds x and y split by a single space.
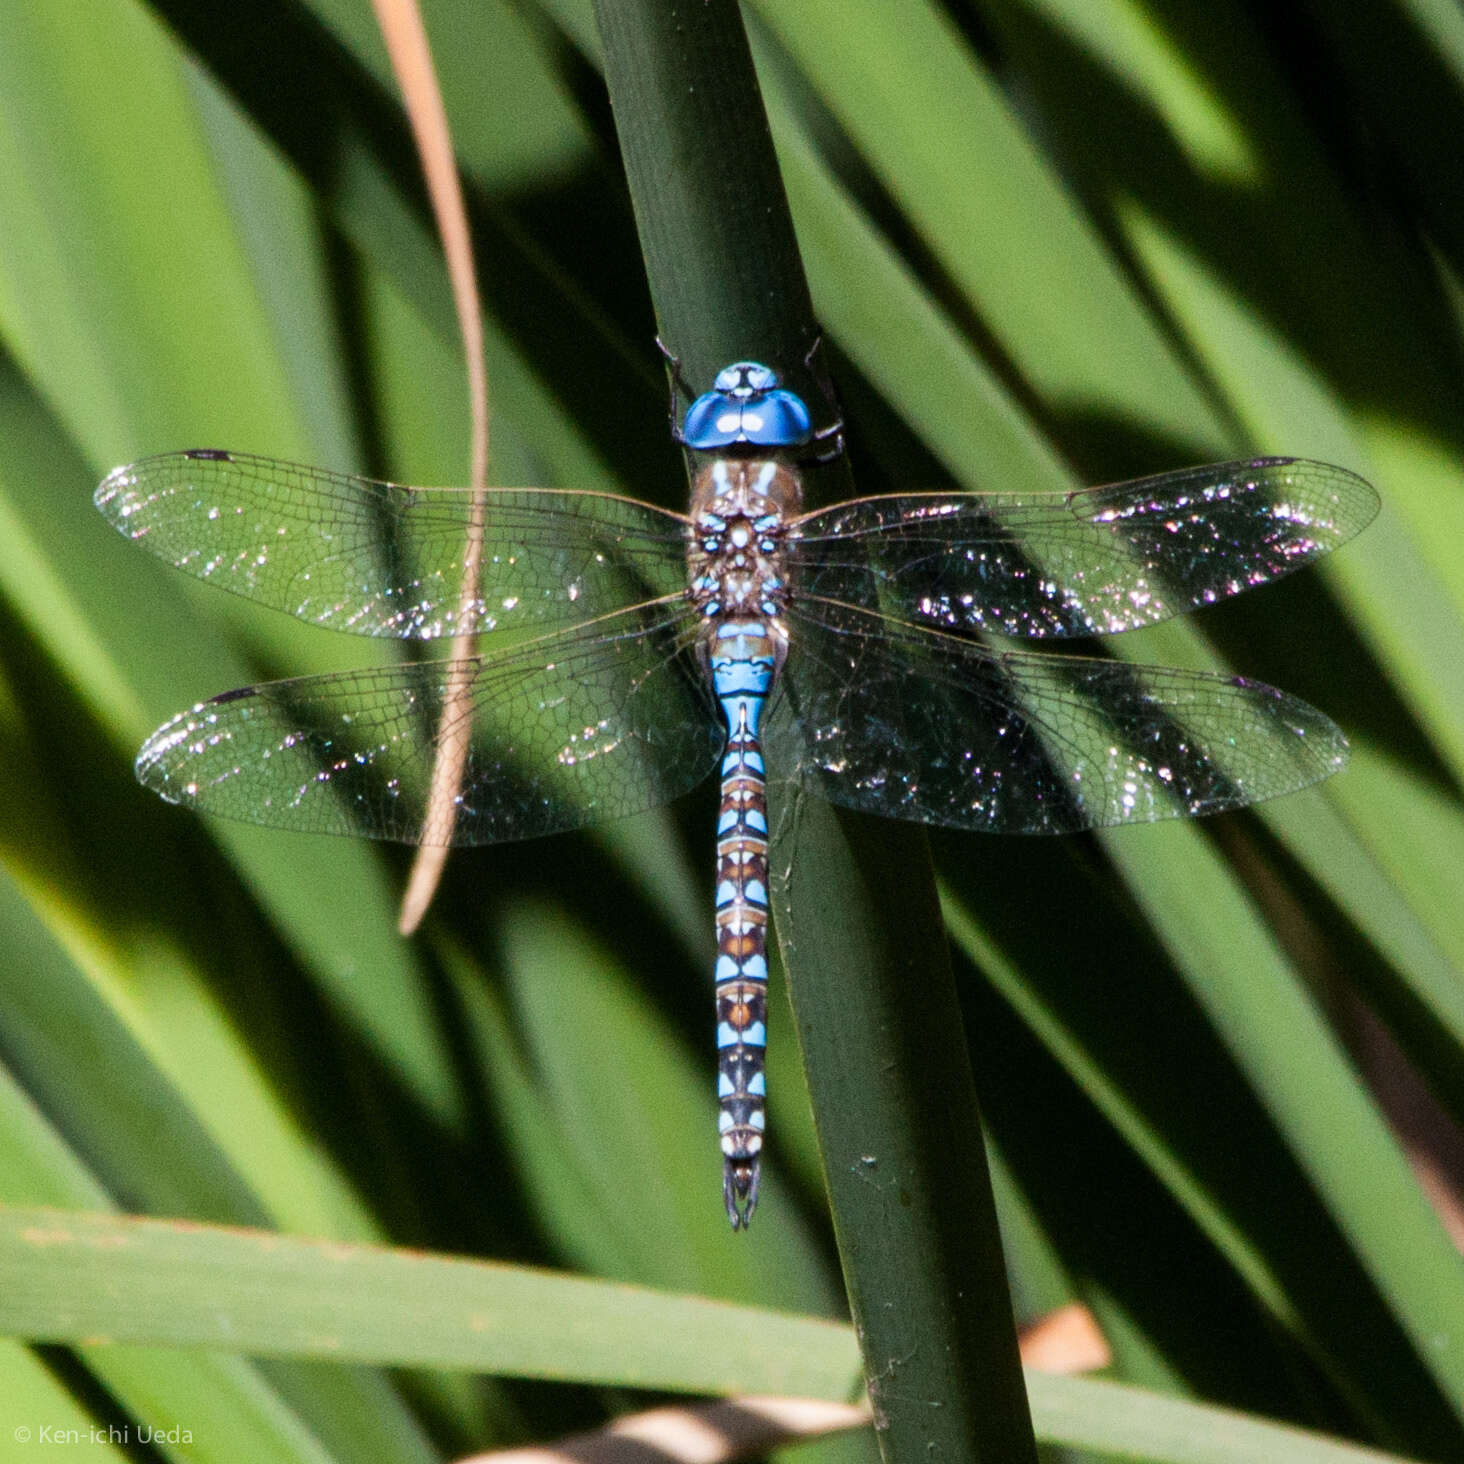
624 652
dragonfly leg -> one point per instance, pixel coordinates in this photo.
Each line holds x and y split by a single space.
832 432
679 388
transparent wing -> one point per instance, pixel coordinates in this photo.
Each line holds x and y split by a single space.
916 724
1088 563
377 559
565 730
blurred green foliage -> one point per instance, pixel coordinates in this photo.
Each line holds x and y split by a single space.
1050 242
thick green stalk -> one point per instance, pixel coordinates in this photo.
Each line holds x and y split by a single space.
857 918
709 204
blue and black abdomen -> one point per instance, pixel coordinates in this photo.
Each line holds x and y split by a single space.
738 578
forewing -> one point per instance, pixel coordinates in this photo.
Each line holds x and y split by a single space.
381 560
566 730
1089 563
915 724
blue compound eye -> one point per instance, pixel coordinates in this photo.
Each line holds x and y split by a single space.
779 419
746 408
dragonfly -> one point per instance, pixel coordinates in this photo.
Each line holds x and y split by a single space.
625 651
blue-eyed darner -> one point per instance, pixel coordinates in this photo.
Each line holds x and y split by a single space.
627 650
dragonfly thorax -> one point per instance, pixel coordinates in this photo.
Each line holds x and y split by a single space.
736 546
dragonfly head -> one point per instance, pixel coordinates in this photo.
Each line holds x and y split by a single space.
747 409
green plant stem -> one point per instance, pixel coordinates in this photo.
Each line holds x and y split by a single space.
858 923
